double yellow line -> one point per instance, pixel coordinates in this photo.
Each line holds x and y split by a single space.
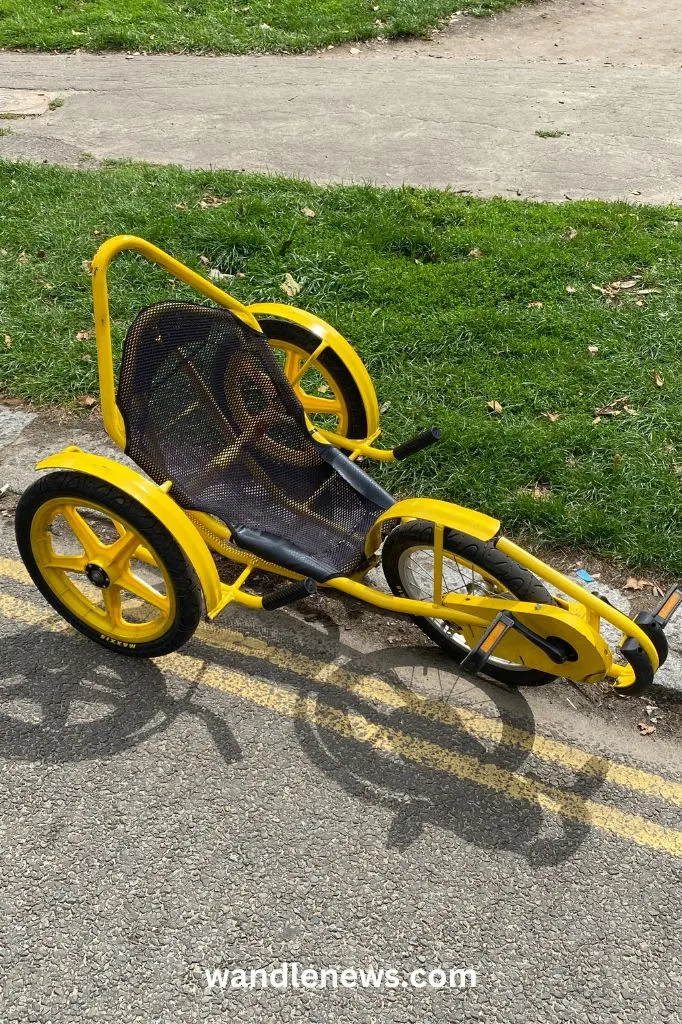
357 728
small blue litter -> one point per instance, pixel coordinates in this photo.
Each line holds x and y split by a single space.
584 575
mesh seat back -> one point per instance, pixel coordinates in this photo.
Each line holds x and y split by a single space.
207 405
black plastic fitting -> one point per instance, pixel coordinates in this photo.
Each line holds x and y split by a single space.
289 593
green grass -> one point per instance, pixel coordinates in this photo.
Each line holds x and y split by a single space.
453 302
226 26
552 133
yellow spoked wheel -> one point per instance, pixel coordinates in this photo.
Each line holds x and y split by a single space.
471 567
326 389
107 565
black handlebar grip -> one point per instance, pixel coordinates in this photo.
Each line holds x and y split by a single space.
418 443
289 593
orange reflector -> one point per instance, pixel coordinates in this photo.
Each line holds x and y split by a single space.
495 634
670 605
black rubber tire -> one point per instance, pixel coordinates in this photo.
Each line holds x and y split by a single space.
188 597
519 581
284 330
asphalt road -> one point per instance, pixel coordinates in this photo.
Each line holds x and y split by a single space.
291 789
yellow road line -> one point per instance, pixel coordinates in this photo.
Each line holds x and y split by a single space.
396 742
482 726
476 724
14 570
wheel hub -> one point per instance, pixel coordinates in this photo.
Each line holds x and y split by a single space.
97 575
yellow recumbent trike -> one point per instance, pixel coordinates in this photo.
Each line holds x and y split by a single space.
239 417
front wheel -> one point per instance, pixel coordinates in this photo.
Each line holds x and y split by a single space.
470 566
107 565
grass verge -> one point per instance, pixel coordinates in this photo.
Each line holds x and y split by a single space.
178 26
508 323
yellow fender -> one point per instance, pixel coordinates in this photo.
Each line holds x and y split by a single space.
337 343
441 513
156 501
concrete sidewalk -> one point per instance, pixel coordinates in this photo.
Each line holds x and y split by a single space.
390 114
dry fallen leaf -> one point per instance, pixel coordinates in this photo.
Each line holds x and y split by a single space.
385 407
209 202
307 212
629 410
612 408
646 728
624 286
570 234
495 407
632 583
541 492
593 349
217 275
181 206
596 420
87 266
8 341
205 260
45 284
475 253
551 416
570 289
535 305
22 257
354 50
323 389
83 335
87 400
658 378
290 286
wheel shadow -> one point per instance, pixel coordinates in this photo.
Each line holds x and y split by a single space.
488 791
64 699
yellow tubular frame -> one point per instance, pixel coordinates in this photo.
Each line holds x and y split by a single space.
596 608
111 414
198 534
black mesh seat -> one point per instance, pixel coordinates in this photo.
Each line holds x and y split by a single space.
207 406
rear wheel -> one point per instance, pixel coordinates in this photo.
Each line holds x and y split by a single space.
327 390
107 565
470 566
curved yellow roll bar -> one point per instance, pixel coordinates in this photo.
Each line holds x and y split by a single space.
111 414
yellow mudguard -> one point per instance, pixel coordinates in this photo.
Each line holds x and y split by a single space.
441 513
157 502
337 343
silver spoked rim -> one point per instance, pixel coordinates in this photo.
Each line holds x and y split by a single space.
415 567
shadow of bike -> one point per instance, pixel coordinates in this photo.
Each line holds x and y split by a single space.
480 803
64 699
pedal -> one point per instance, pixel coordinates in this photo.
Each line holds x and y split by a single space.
477 658
669 605
557 650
